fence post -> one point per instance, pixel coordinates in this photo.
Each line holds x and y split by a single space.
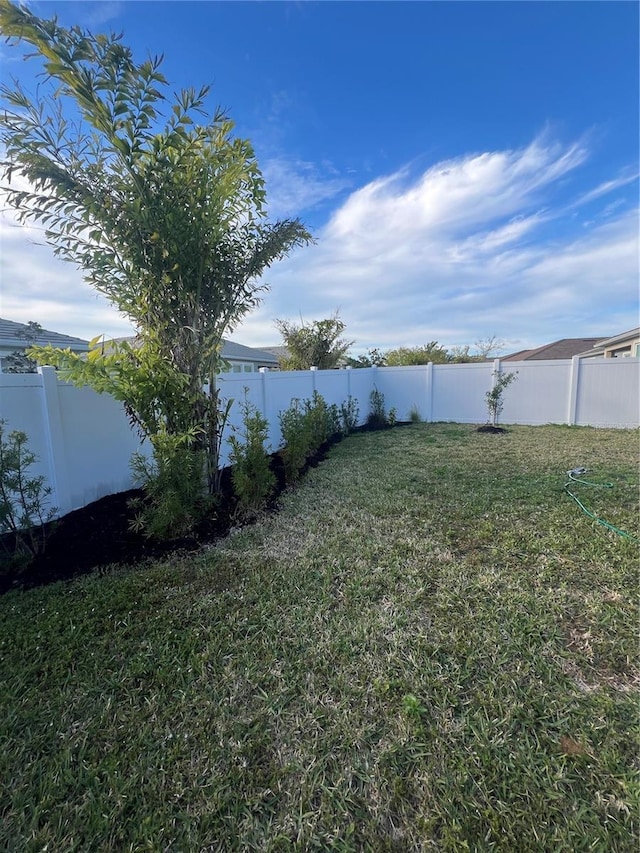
429 392
55 439
574 382
263 389
314 370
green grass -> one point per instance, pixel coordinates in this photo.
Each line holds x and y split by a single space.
429 648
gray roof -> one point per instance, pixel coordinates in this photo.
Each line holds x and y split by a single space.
230 350
239 352
278 352
564 348
11 335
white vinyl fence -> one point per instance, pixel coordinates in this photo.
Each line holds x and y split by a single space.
84 442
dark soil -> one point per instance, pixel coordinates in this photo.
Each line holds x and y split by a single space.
491 429
100 534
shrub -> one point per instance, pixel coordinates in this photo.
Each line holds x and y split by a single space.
23 499
304 429
377 417
292 426
321 422
334 421
414 415
349 415
175 500
494 399
253 480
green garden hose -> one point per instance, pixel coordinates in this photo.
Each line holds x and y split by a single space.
574 476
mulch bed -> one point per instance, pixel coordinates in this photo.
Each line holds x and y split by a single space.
100 534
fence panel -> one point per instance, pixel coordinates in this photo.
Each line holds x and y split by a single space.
405 388
97 444
333 385
606 396
361 381
458 392
22 407
281 388
539 394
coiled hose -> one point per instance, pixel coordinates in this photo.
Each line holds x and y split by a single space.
575 476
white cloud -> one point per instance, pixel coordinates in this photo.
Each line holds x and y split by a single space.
473 247
38 286
606 187
485 244
294 187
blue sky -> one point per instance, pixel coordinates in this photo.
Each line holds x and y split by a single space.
467 169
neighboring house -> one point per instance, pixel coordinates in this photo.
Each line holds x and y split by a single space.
623 345
247 359
16 337
564 348
241 359
280 353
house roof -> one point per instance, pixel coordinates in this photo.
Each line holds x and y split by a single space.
605 343
239 352
12 336
564 348
278 352
231 351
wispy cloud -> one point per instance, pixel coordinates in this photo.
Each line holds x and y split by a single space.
90 13
484 244
479 245
607 187
294 187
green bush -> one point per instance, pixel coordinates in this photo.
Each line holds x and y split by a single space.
334 421
377 417
414 415
23 499
321 422
253 480
305 428
292 426
349 414
173 482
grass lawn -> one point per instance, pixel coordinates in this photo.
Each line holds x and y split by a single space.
431 647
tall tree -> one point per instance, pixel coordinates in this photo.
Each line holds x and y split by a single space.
318 344
483 349
489 347
164 216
